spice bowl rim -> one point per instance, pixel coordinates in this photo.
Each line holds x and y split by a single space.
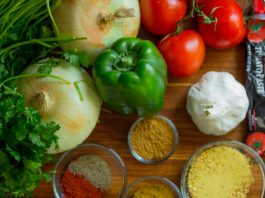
154 177
109 150
150 162
185 171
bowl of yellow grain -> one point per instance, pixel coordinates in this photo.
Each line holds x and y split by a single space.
223 169
152 186
152 140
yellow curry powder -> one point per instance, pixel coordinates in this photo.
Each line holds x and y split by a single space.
152 138
153 191
220 172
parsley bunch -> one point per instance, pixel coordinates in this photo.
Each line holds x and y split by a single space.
26 36
24 140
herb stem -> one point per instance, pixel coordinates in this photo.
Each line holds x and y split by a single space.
34 76
41 42
78 91
56 30
17 17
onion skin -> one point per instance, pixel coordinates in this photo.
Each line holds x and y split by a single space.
81 18
60 102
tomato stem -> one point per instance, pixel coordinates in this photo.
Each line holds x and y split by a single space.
206 19
247 19
179 28
257 144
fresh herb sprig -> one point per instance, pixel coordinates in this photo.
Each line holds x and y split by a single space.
24 140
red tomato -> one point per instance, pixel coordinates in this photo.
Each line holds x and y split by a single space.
184 53
257 142
256 30
229 29
160 16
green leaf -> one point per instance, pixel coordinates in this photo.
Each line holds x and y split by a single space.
8 177
72 58
21 133
45 67
46 32
13 153
32 116
35 138
3 72
84 59
31 165
76 58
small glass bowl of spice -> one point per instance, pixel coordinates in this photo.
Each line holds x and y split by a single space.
89 171
224 169
152 140
152 186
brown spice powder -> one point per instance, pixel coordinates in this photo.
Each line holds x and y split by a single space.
152 138
220 172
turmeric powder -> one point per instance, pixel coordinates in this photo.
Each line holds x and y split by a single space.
153 191
152 138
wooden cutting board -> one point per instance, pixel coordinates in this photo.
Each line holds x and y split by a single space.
112 129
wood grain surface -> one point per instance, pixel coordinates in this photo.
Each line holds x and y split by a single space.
112 129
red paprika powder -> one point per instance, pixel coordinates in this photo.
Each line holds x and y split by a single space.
76 186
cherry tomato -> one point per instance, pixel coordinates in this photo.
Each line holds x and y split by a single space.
257 142
256 30
229 29
160 16
184 53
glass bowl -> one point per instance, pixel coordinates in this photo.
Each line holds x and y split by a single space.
149 180
156 161
119 174
257 168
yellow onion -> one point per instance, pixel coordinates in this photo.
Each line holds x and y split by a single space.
73 102
102 22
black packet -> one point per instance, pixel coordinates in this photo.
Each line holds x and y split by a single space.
255 85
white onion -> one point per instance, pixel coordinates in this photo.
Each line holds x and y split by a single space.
102 22
60 102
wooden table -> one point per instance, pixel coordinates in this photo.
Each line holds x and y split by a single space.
113 128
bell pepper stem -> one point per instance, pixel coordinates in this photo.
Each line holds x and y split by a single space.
126 61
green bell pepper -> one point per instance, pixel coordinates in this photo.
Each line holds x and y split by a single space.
131 76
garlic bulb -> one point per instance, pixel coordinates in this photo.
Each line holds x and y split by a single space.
217 103
101 22
60 102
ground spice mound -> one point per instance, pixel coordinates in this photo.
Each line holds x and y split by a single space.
76 186
152 138
220 172
94 169
153 191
